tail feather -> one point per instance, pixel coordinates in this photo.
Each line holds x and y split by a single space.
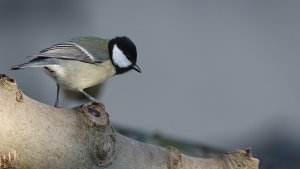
17 67
32 63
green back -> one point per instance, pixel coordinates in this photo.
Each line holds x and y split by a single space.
97 47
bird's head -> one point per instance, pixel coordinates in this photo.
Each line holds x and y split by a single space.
122 53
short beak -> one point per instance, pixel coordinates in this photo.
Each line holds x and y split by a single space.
137 68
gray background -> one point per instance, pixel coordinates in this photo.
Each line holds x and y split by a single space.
221 73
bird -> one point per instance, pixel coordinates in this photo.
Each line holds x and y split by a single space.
83 62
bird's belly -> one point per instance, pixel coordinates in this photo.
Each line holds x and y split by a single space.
76 75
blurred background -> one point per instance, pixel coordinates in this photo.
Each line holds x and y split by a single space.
222 74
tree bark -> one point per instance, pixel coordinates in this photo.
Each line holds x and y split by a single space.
35 135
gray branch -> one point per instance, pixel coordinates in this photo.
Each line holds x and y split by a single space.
35 135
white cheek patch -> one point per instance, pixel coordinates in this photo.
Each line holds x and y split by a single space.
119 58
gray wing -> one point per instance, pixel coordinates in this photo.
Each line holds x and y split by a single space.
76 49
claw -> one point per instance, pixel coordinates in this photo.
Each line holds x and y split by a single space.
92 110
96 102
93 101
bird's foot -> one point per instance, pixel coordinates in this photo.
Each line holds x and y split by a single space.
93 101
96 102
57 105
90 106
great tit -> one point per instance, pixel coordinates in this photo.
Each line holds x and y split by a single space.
83 62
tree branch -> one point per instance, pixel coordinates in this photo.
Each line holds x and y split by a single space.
35 135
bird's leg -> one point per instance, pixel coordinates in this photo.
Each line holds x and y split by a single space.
57 96
92 99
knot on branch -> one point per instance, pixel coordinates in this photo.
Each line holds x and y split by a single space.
102 137
103 150
96 116
241 159
11 85
8 160
175 159
3 77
